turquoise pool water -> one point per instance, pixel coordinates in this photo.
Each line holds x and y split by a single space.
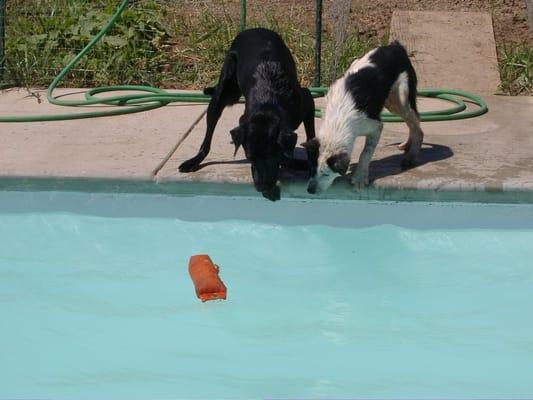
325 299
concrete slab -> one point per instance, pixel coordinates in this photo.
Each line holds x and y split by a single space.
489 153
125 147
220 165
453 50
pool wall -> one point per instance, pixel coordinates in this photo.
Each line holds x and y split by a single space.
337 213
294 190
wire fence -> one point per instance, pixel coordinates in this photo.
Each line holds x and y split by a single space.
2 37
165 43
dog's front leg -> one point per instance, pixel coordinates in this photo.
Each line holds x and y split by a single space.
360 176
226 93
308 113
214 111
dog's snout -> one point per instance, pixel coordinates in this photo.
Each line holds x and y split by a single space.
272 194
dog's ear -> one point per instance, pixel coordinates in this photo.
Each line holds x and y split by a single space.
237 138
339 163
287 141
312 145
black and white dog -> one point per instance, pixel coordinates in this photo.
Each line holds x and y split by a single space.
384 77
260 67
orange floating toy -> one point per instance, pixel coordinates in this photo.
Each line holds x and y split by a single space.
204 275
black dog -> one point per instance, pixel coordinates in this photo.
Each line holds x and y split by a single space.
260 67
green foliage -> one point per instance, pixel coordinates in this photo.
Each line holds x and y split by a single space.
353 47
43 37
516 69
199 51
152 43
159 43
301 42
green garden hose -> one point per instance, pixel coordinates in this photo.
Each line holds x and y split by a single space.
151 98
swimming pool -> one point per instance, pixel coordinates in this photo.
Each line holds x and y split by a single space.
326 299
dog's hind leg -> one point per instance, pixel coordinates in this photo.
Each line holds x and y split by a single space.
225 93
416 136
402 101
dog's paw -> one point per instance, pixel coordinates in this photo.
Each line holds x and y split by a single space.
359 182
189 166
405 146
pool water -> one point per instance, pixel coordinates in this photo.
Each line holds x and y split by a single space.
96 301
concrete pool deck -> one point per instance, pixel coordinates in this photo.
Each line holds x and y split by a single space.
491 156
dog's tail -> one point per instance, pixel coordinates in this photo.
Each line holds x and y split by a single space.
210 91
397 43
402 54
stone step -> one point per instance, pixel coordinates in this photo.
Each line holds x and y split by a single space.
453 50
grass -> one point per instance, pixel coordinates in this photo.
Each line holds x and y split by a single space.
162 43
516 69
152 44
41 37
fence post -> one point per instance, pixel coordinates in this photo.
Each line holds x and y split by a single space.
243 15
529 5
2 37
318 42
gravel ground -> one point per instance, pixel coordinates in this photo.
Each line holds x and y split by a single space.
372 17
